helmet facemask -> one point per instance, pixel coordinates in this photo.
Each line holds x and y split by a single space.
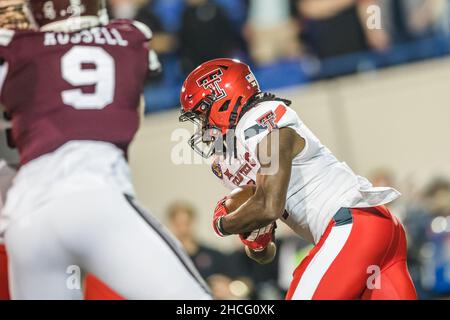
207 138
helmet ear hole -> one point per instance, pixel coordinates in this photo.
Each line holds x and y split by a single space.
224 106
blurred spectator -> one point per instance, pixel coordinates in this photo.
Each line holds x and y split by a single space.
139 10
208 261
339 27
227 276
236 11
204 34
382 177
270 31
437 197
428 230
221 287
256 281
413 19
169 11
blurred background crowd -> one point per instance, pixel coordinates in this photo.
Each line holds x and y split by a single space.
302 40
297 44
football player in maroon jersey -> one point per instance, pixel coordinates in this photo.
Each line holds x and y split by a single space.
72 88
12 16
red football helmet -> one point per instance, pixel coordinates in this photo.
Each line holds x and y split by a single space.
213 97
82 13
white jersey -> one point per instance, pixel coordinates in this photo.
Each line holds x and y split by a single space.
320 184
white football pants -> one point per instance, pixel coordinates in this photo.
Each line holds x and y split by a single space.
102 232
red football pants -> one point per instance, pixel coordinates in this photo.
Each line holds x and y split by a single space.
361 255
94 289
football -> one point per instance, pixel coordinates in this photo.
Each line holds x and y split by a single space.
238 196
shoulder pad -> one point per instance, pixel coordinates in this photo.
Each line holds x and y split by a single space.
144 29
266 117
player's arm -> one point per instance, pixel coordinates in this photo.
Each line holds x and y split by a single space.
378 39
268 202
322 9
154 65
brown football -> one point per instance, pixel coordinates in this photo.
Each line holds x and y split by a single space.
238 196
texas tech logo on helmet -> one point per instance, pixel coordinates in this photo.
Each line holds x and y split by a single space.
211 81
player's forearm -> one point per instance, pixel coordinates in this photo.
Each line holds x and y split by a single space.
322 9
377 39
254 214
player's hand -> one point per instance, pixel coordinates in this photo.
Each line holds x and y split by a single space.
219 213
264 256
258 240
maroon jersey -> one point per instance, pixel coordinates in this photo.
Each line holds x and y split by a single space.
83 85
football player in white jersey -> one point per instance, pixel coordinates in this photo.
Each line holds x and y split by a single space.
256 138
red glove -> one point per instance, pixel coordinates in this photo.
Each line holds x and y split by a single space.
219 213
258 240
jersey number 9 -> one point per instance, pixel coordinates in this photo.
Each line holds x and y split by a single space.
76 68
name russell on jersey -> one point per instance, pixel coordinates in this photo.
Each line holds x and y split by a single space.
98 35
